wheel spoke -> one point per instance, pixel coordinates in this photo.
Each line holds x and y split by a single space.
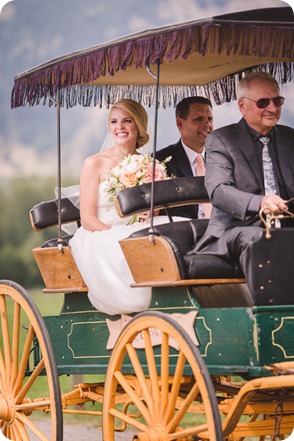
3 379
128 420
5 335
173 424
189 432
15 433
12 433
152 369
164 374
30 425
6 431
15 342
32 378
176 385
22 431
134 397
24 360
146 395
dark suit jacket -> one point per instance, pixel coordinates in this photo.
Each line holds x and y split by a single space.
233 174
178 166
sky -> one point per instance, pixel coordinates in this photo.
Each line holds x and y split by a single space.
25 132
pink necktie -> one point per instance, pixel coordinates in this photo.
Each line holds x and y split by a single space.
200 171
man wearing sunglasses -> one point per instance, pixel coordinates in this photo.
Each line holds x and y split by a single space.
236 172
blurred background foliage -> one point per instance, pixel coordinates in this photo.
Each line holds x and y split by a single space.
17 238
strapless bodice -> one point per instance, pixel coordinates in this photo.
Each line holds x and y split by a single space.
106 211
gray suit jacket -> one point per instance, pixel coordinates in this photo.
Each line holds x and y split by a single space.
178 166
233 174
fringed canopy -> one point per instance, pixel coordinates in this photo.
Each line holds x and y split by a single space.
202 57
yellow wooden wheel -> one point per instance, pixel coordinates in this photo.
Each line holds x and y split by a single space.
159 386
29 385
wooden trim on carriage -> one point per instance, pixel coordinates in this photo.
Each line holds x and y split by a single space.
59 270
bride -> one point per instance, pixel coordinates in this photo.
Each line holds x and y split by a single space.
95 245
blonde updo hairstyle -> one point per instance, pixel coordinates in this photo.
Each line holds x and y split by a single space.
139 115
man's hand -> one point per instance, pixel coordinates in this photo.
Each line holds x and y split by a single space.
273 203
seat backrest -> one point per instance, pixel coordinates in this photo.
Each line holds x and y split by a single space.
45 214
184 233
168 193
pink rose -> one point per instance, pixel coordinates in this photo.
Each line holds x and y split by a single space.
159 174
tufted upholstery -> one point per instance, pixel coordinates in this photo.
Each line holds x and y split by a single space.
45 214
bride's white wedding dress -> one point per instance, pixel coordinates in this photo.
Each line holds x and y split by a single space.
102 264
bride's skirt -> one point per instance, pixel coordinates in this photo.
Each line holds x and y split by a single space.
105 271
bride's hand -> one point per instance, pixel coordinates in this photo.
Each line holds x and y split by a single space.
146 215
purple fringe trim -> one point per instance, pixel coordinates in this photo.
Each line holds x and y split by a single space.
68 78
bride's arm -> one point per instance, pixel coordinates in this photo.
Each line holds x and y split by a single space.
89 185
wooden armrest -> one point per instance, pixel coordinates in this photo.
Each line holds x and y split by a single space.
59 270
156 262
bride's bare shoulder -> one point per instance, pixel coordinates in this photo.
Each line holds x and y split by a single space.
97 159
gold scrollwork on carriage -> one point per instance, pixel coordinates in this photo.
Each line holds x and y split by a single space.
280 336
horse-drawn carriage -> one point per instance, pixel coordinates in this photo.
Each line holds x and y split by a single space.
206 360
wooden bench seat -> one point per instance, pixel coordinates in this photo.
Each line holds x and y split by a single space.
163 260
54 257
170 266
164 256
161 257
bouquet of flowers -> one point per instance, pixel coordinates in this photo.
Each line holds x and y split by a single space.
134 170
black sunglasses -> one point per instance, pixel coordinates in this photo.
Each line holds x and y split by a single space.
262 103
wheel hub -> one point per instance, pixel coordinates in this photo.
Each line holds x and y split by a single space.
6 408
156 434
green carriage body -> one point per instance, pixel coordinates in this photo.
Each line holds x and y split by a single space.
232 341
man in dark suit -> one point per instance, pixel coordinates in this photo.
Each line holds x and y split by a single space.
194 120
235 171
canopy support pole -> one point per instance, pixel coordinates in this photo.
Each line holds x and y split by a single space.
59 239
156 77
57 104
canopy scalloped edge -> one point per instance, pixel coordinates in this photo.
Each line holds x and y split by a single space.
82 77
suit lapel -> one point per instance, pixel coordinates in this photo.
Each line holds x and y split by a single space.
284 148
181 160
246 146
182 168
